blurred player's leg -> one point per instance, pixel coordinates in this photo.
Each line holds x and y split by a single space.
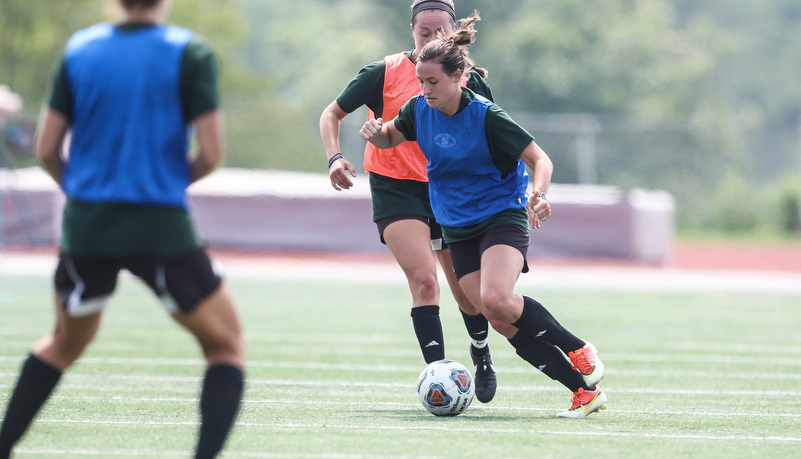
215 323
36 381
42 370
409 242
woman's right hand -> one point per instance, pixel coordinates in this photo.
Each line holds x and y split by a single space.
338 173
538 209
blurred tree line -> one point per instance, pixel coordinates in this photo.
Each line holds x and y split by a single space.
691 96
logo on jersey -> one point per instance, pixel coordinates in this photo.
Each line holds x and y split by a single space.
445 140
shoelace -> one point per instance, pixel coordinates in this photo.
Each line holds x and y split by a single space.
579 358
577 398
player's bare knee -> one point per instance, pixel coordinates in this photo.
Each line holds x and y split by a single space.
498 303
495 322
492 301
468 308
504 328
426 286
230 351
59 350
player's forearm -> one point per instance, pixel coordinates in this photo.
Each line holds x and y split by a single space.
381 140
382 135
329 129
210 139
541 167
49 141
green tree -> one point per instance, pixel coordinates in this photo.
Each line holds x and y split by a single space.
636 61
32 34
691 73
222 22
762 71
612 57
305 53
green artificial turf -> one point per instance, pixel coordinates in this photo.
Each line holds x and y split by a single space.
333 367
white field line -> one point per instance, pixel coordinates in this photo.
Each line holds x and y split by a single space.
699 352
100 453
607 358
438 428
673 371
389 339
572 434
183 454
341 405
94 379
667 374
754 361
711 350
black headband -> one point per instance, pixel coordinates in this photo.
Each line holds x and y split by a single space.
433 5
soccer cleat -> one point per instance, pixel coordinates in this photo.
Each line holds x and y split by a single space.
585 402
586 361
486 381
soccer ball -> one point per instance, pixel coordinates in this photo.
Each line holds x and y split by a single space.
445 388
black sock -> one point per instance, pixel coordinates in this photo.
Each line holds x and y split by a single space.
36 381
548 359
537 321
219 403
478 328
428 329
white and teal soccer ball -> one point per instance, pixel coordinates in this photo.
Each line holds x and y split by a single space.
445 388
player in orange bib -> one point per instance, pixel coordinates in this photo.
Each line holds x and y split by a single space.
399 189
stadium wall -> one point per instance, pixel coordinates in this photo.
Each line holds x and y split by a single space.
274 210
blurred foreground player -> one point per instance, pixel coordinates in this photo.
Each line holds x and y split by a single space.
129 95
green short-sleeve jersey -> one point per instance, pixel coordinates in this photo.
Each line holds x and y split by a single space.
367 88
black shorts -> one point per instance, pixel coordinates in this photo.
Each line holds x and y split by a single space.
392 197
437 242
466 255
181 282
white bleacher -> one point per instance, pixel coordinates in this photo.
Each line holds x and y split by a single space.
275 210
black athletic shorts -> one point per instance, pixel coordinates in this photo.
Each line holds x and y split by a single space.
391 197
437 242
181 282
466 255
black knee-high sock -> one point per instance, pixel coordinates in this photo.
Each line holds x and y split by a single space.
478 328
548 359
219 403
428 329
537 321
36 381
